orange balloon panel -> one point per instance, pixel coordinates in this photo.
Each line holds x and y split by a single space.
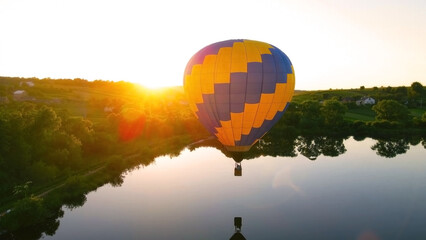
239 89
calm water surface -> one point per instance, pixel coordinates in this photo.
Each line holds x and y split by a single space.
357 195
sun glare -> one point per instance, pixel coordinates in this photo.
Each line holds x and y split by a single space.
152 85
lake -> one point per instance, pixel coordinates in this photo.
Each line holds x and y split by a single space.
350 189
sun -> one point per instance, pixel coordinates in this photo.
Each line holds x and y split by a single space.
153 85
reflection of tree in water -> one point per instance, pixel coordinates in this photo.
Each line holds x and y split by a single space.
391 148
285 146
117 181
312 147
75 201
414 140
332 147
308 147
272 145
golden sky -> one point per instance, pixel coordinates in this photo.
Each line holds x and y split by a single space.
331 43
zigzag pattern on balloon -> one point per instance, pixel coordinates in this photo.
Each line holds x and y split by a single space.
238 89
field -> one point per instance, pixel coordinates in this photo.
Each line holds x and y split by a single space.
362 114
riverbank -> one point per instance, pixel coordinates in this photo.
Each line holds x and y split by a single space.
72 191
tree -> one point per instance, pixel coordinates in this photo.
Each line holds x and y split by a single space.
46 121
333 112
416 94
311 114
391 110
416 90
26 212
292 115
22 189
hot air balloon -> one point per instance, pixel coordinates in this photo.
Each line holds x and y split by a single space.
238 89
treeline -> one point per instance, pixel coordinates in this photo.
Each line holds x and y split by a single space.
77 82
38 144
312 117
412 96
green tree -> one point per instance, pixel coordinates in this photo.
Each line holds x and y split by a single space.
391 110
45 121
80 128
64 151
416 90
40 172
333 112
22 189
27 212
310 114
291 116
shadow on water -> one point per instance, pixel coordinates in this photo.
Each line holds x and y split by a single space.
311 147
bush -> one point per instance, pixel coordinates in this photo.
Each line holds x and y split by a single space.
385 124
359 127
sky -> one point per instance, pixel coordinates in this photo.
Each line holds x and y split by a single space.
331 43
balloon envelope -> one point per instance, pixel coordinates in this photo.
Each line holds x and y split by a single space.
239 89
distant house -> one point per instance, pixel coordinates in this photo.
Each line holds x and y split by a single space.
29 84
19 92
22 95
19 95
366 101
